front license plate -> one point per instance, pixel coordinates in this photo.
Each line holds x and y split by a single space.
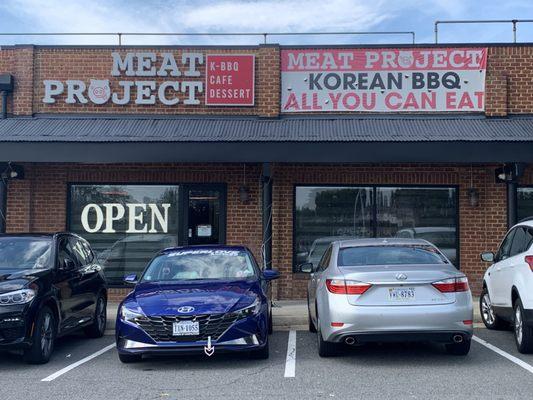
401 294
185 328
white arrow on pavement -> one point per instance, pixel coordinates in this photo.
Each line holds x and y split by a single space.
209 350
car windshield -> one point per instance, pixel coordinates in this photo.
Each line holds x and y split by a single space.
25 253
187 265
390 255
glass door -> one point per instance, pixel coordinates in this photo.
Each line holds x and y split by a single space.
205 212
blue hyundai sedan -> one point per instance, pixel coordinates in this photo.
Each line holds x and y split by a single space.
201 299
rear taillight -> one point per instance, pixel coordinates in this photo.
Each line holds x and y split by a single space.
529 260
341 286
452 285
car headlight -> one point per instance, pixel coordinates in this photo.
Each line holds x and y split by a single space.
21 296
252 309
129 315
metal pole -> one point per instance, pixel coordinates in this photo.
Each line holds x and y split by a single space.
514 21
437 32
3 204
266 181
119 39
512 203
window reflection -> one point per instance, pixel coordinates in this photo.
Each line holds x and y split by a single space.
325 214
525 202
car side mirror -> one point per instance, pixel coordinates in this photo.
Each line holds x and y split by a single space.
131 279
305 267
270 274
487 256
67 265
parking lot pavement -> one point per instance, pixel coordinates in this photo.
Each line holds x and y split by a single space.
386 371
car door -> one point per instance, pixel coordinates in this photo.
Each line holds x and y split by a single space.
512 265
67 283
316 279
496 286
89 280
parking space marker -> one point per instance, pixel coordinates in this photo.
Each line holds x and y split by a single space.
290 362
502 353
77 364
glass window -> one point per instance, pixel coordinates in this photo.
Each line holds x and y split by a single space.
25 252
126 225
519 242
419 213
525 202
199 264
505 247
389 255
324 214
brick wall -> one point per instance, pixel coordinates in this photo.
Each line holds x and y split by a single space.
481 228
39 202
509 80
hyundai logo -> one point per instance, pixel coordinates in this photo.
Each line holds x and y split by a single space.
185 309
401 277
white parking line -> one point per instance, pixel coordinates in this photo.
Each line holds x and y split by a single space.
290 362
77 364
502 353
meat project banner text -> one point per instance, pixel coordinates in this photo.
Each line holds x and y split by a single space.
383 80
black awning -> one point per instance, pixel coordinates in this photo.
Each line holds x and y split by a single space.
248 139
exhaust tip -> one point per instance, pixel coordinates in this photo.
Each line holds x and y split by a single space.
458 338
349 341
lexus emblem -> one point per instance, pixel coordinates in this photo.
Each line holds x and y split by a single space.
401 277
185 309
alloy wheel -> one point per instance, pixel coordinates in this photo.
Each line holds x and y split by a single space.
101 315
47 335
518 325
486 309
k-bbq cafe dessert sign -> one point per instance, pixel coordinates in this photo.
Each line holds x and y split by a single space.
383 80
148 78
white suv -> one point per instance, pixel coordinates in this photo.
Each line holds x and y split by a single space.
507 296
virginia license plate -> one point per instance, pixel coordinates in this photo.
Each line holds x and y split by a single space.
185 328
401 294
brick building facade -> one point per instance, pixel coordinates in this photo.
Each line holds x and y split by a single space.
40 202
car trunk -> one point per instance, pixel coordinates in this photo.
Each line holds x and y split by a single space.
400 285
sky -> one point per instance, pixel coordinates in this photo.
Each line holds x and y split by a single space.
219 16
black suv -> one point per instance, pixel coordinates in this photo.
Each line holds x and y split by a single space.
50 285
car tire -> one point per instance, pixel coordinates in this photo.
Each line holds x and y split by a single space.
97 328
523 334
459 349
489 318
261 354
312 327
129 358
44 335
270 324
325 348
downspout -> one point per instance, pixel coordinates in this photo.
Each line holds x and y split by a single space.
3 113
266 180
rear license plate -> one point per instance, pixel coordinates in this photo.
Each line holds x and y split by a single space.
401 294
185 328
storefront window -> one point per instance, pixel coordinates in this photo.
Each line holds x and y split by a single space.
525 202
325 214
419 213
125 224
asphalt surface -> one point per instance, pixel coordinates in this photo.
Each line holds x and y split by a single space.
399 371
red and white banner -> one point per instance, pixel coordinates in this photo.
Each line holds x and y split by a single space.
383 80
229 80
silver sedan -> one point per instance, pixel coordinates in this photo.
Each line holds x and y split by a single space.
379 290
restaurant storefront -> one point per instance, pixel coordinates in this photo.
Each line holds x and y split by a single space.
278 148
